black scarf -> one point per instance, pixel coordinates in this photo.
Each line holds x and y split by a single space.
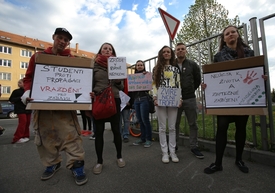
229 54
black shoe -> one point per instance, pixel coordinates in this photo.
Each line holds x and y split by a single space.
79 173
212 169
125 140
242 166
50 171
197 153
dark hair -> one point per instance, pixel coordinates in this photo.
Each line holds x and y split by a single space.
114 51
180 43
240 42
136 71
158 69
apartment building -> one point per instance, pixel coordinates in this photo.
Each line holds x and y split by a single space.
15 53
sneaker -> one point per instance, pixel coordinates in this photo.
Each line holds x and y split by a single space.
138 142
50 171
26 139
242 166
165 158
174 157
212 168
79 175
93 137
22 140
197 153
121 163
97 169
125 140
147 144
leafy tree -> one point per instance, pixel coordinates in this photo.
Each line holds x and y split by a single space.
206 18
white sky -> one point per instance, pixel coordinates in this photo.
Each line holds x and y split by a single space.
134 27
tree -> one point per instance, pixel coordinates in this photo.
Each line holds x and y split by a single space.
206 18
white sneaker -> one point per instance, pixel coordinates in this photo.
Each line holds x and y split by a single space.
26 139
165 158
22 140
174 158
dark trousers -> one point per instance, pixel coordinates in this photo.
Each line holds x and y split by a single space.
221 136
99 133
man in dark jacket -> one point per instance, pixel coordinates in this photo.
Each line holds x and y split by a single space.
190 77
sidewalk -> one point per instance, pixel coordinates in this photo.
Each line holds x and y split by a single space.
21 168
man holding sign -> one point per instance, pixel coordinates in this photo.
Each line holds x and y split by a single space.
56 130
167 99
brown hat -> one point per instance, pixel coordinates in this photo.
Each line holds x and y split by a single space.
63 30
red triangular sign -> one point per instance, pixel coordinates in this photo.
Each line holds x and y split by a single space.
170 22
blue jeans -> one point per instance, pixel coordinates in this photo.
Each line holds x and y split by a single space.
142 114
124 118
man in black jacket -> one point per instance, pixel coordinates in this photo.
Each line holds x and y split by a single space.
190 77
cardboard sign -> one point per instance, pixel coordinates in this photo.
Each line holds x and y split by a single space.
169 97
61 83
117 68
140 81
235 87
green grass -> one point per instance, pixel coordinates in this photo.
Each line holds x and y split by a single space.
209 133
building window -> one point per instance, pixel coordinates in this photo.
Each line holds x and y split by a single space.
4 62
26 53
6 89
22 76
5 76
24 65
6 50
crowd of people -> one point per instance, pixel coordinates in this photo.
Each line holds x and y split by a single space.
59 130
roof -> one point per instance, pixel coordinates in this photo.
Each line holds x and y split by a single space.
38 44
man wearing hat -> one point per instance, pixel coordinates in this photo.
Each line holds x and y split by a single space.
56 130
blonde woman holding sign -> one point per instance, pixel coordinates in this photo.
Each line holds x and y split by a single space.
166 77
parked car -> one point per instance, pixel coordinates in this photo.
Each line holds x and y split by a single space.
8 110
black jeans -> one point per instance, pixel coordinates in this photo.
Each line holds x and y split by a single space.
221 136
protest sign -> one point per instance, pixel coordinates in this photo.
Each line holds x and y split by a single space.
117 68
169 97
61 83
140 81
235 87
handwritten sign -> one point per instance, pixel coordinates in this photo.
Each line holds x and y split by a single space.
140 81
169 97
235 88
61 84
124 99
117 68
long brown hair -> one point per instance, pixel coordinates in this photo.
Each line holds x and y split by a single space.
240 42
158 69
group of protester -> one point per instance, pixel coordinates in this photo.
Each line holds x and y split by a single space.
59 130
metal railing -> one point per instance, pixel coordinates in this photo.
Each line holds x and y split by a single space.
267 141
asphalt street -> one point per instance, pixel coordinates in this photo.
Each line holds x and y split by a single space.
20 170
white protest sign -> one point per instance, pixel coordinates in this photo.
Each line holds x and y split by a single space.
124 99
62 84
117 68
235 88
169 97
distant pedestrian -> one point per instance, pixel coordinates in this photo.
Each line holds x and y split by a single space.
22 133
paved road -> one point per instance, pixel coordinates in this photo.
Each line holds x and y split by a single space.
21 168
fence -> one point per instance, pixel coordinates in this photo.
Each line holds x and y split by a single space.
267 138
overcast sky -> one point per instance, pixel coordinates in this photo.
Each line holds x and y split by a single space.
134 27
